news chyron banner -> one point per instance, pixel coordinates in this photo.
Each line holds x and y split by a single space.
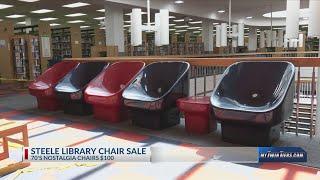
164 154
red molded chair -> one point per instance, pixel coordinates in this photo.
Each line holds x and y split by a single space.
43 87
105 92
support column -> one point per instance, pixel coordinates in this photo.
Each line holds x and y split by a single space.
114 27
252 39
207 35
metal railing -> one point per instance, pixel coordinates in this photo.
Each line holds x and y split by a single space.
206 71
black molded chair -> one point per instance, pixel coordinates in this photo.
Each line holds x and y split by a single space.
151 97
252 100
71 88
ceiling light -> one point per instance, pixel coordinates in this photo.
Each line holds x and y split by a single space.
215 23
221 11
282 14
29 0
183 26
178 2
99 18
102 28
305 18
55 24
151 23
193 27
172 29
178 20
13 16
75 5
172 24
126 25
48 19
249 17
75 15
5 6
177 33
183 30
75 21
127 21
101 10
82 27
129 14
42 11
22 22
195 22
196 31
172 17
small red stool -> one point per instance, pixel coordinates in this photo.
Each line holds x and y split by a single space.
197 111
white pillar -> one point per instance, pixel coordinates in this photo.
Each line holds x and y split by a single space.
280 38
274 38
224 38
252 39
234 35
207 35
114 27
218 36
262 43
268 38
241 34
292 19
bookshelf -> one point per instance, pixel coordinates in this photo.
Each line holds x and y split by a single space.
61 44
87 41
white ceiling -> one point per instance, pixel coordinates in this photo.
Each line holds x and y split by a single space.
208 9
196 9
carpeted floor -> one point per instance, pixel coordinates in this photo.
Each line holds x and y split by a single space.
58 129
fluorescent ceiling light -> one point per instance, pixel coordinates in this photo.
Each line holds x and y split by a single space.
75 5
30 1
82 27
215 23
283 14
249 17
102 28
127 25
172 24
42 11
5 6
101 10
221 11
196 31
48 19
172 29
194 28
195 22
183 26
178 20
179 2
75 15
129 14
99 18
177 33
22 22
13 16
183 30
127 21
151 23
55 24
75 21
172 17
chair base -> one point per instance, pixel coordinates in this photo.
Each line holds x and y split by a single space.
77 108
250 135
156 120
199 123
109 114
49 104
